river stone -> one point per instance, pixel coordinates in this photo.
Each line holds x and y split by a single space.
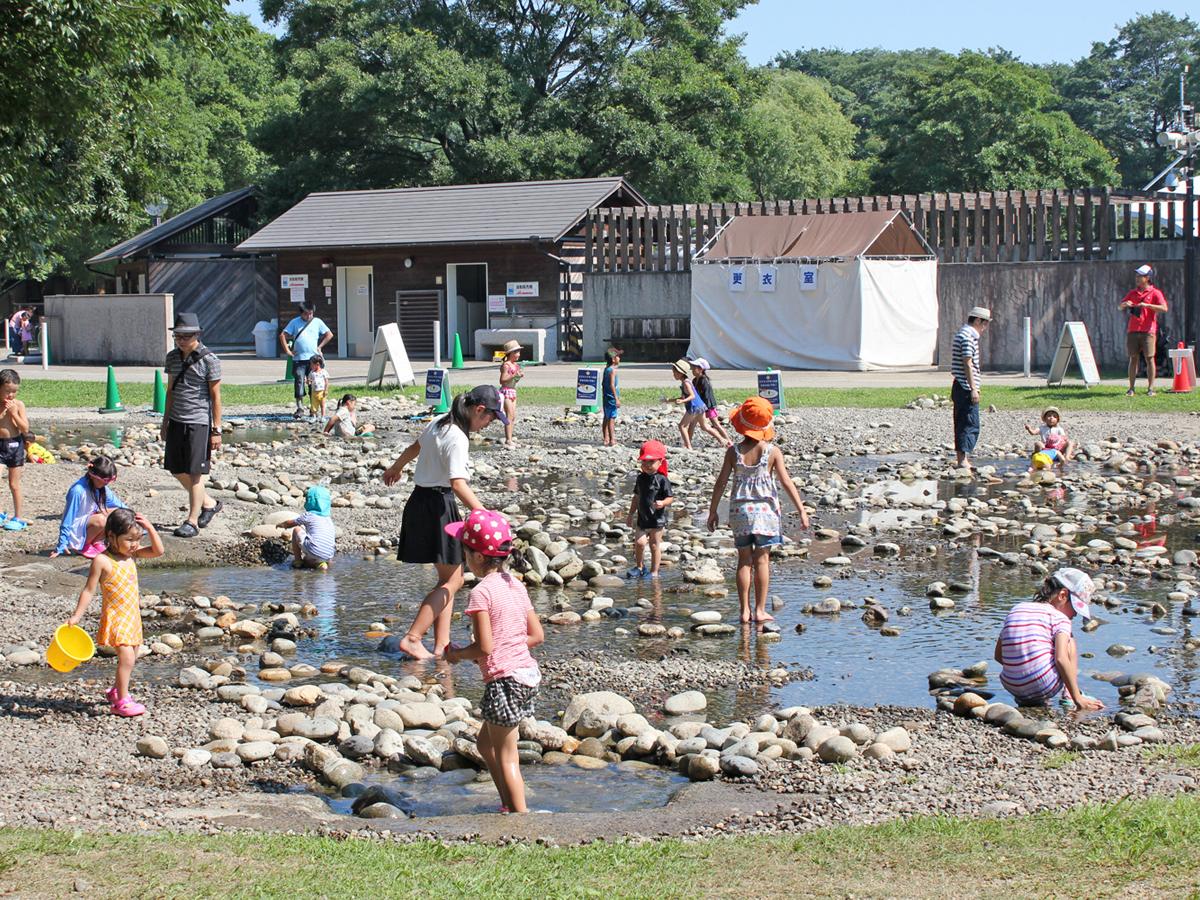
739 766
305 695
551 737
195 677
941 603
858 732
706 617
716 630
633 724
828 607
225 761
422 715
837 749
235 692
651 629
255 751
999 713
702 768
964 703
896 738
817 735
1149 734
381 811
24 657
388 744
566 617
195 757
341 772
685 703
422 751
879 751
322 728
588 762
603 703
153 746
248 628
275 675
357 746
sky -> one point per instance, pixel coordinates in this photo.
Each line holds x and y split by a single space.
1038 31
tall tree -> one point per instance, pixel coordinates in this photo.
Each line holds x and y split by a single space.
1126 90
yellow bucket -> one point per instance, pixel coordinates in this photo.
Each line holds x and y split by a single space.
70 647
1042 460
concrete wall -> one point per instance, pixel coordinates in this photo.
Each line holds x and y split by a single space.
629 294
1050 293
122 329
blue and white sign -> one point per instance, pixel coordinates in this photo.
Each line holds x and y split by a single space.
770 388
737 279
435 384
808 278
767 276
587 387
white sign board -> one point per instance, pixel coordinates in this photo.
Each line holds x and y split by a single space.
522 289
767 276
361 290
737 279
770 388
435 386
291 281
297 293
808 278
587 387
389 345
497 303
1074 342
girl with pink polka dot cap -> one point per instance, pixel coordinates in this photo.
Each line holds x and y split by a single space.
505 627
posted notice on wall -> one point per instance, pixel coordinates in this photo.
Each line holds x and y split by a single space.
522 289
587 386
291 281
497 303
435 383
770 388
296 292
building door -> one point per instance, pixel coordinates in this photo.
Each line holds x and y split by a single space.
356 310
466 298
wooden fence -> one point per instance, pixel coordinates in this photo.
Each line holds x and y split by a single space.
984 226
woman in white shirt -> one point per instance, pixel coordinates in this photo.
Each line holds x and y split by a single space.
442 474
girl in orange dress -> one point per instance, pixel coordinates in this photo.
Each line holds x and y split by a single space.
115 573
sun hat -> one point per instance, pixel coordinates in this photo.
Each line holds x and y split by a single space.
510 346
980 312
1051 409
484 531
487 396
316 500
682 366
754 418
187 323
1079 586
612 353
701 363
1144 269
654 450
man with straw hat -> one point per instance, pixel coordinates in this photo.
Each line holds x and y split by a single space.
964 392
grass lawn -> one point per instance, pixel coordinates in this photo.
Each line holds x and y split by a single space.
1133 848
44 393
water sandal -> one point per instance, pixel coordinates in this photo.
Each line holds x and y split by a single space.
111 694
206 515
1129 393
186 530
1151 392
16 525
3 518
92 550
128 708
635 572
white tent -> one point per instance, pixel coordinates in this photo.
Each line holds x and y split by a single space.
846 291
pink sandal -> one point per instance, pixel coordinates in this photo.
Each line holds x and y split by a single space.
111 694
94 549
128 707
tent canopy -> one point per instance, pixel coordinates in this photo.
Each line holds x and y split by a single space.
886 233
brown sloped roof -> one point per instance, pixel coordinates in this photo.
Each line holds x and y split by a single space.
825 236
451 214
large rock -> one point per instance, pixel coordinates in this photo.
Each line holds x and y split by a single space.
837 749
154 747
304 695
248 628
255 751
322 728
422 715
603 703
422 751
685 703
538 561
739 766
551 737
896 738
703 768
195 677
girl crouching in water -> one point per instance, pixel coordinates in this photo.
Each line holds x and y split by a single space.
115 573
505 627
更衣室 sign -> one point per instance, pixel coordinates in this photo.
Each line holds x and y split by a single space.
522 289
808 278
767 276
737 279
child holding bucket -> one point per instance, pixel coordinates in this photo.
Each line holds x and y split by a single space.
90 500
754 512
505 628
1052 446
114 572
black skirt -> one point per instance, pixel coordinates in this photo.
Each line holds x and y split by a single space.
423 537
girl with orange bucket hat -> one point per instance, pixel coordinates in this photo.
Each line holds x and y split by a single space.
757 468
114 573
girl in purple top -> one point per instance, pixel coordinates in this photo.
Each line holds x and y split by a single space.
1035 647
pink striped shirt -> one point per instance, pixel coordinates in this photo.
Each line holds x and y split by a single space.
505 602
1027 650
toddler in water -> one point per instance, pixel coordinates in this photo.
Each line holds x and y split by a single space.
318 384
693 406
1036 650
610 392
754 513
505 627
90 501
1052 438
651 497
114 572
709 422
344 421
313 534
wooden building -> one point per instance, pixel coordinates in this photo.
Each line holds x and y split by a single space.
472 257
194 256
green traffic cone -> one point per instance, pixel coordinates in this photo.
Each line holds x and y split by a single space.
160 393
458 360
289 373
444 403
112 399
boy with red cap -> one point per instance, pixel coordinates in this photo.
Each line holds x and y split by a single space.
651 497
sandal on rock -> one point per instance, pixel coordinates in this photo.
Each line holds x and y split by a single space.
128 708
111 694
15 524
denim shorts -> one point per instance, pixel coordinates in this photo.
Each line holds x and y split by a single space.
757 541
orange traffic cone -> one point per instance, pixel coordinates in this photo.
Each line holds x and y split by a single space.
1184 381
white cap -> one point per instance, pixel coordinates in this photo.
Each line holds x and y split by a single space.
980 312
1144 270
1080 587
701 363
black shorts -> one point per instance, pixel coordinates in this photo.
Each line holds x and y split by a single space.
12 452
189 450
506 702
423 537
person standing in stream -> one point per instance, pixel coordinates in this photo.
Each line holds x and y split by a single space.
191 426
309 336
442 453
964 392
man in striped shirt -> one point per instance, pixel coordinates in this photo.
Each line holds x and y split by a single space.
964 366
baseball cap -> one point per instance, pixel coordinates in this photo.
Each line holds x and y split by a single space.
1143 270
652 450
1079 586
701 363
484 531
487 396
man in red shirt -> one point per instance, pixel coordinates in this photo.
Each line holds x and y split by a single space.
1144 303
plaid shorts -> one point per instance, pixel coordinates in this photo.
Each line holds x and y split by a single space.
506 702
